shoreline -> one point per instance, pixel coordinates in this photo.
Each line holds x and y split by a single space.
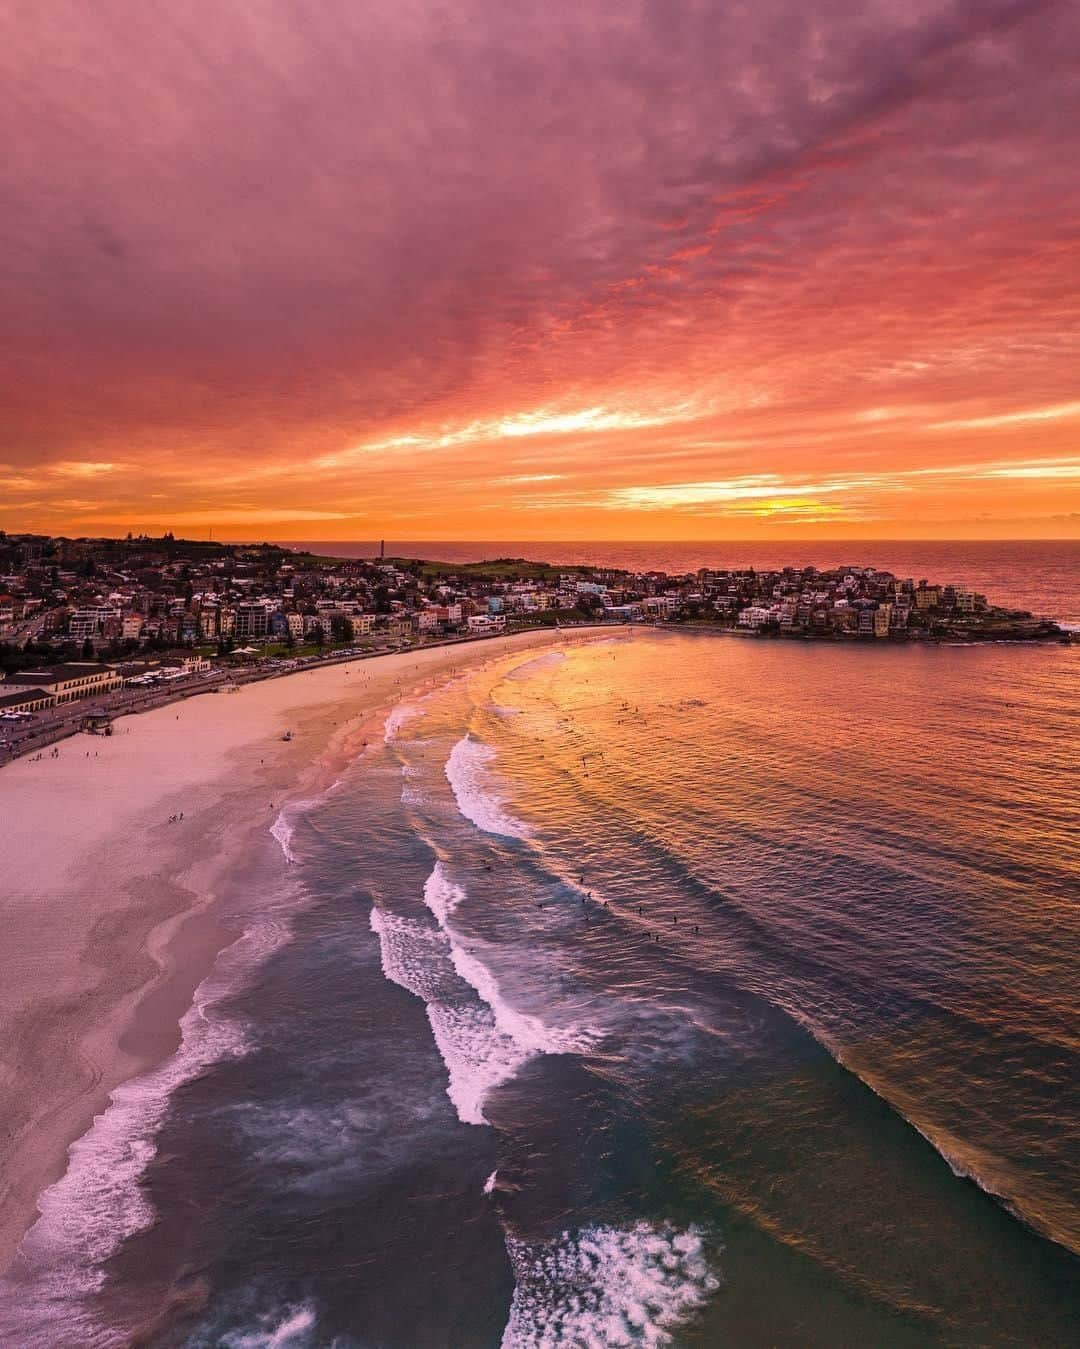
114 915
119 704
219 679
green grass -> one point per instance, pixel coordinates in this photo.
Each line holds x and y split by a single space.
494 569
279 650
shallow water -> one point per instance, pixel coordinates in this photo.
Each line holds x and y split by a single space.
669 989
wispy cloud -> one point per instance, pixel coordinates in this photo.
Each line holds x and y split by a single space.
83 468
750 487
778 494
726 275
1030 416
254 515
515 426
1062 468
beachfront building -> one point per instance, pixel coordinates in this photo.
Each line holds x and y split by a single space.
754 616
31 701
65 683
486 623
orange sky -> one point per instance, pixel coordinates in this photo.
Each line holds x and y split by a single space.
591 270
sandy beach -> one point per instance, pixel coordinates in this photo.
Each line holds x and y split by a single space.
110 907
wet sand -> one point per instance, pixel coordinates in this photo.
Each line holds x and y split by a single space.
109 910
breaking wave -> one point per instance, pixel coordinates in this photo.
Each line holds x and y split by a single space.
468 770
100 1201
398 717
482 1039
477 1055
603 1287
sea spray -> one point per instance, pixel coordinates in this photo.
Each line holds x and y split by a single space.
478 1056
441 894
469 772
260 1320
100 1200
606 1286
293 1328
398 717
532 1034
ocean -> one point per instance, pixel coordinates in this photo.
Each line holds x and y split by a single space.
663 989
1042 576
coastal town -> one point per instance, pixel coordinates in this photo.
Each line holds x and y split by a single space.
113 625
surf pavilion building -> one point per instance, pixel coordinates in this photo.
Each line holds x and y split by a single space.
64 683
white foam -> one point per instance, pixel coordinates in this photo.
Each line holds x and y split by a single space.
292 1331
489 1184
482 1039
441 894
100 1202
468 770
399 716
284 827
413 955
283 830
532 1034
477 1055
606 1286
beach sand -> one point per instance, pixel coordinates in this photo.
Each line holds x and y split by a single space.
109 912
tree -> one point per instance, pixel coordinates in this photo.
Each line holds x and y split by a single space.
318 636
88 650
340 628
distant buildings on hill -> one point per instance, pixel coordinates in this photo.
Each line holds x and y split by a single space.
115 601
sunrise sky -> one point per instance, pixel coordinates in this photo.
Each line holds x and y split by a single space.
595 269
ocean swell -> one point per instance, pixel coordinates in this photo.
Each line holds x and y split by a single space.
478 1056
468 770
